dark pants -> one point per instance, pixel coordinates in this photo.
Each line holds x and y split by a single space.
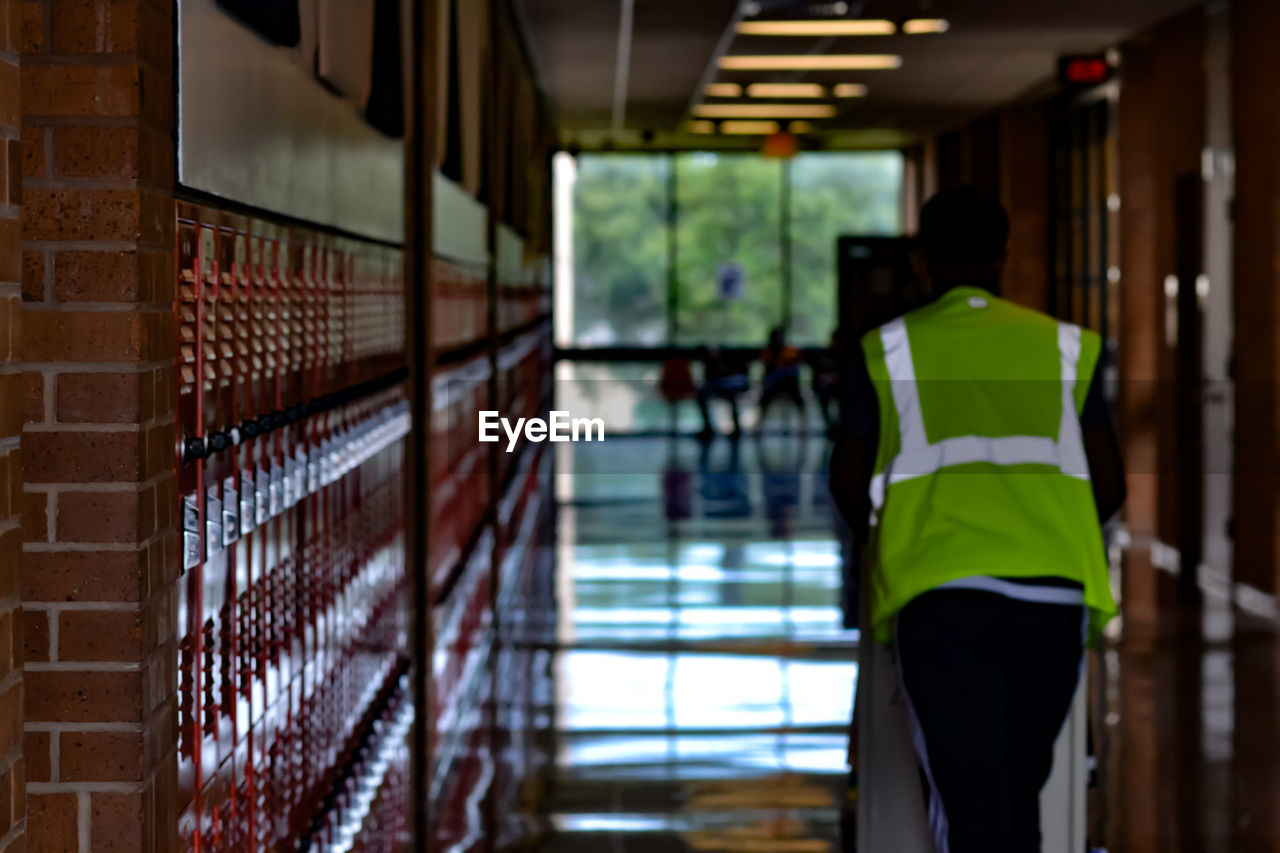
990 681
724 390
786 387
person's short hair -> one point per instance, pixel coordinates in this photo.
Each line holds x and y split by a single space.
963 226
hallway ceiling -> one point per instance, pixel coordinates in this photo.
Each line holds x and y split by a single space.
994 52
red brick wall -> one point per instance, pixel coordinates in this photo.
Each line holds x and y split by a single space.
13 807
100 548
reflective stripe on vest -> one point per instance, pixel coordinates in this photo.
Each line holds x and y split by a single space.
918 458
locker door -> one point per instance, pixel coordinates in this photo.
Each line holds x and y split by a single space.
190 308
233 373
301 584
276 712
221 523
237 673
266 498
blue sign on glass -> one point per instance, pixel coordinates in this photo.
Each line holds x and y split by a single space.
730 278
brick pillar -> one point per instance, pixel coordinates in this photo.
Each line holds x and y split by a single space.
1256 503
100 551
13 807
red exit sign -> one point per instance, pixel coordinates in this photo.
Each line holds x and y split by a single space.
1079 71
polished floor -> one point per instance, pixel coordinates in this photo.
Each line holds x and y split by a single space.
704 677
1192 751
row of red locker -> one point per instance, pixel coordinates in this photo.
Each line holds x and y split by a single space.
459 462
290 633
524 385
490 678
371 809
260 300
524 285
524 281
522 305
460 302
292 422
524 706
490 681
463 618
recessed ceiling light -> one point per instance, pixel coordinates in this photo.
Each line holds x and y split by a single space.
764 111
918 26
817 28
786 90
849 90
809 62
724 90
749 128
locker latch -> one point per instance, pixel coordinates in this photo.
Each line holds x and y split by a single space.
261 502
212 522
313 470
248 504
275 492
299 474
190 531
230 505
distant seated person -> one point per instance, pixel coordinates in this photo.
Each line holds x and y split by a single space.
826 380
781 375
676 382
723 378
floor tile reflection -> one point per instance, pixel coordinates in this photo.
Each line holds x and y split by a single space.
704 677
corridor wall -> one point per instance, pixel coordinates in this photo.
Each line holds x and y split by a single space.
97 398
488 589
13 807
241 621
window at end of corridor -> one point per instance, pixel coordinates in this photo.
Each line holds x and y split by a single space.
710 248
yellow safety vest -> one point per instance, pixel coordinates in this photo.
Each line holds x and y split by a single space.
981 468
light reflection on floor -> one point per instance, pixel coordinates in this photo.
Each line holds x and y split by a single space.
704 679
704 682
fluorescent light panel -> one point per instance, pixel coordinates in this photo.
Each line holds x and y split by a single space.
702 126
799 127
918 26
749 128
786 90
817 28
724 90
849 90
811 62
764 111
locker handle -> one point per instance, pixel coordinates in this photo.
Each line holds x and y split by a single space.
192 449
218 442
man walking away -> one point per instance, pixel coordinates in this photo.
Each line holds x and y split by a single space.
977 442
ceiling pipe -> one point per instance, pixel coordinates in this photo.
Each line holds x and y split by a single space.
622 72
